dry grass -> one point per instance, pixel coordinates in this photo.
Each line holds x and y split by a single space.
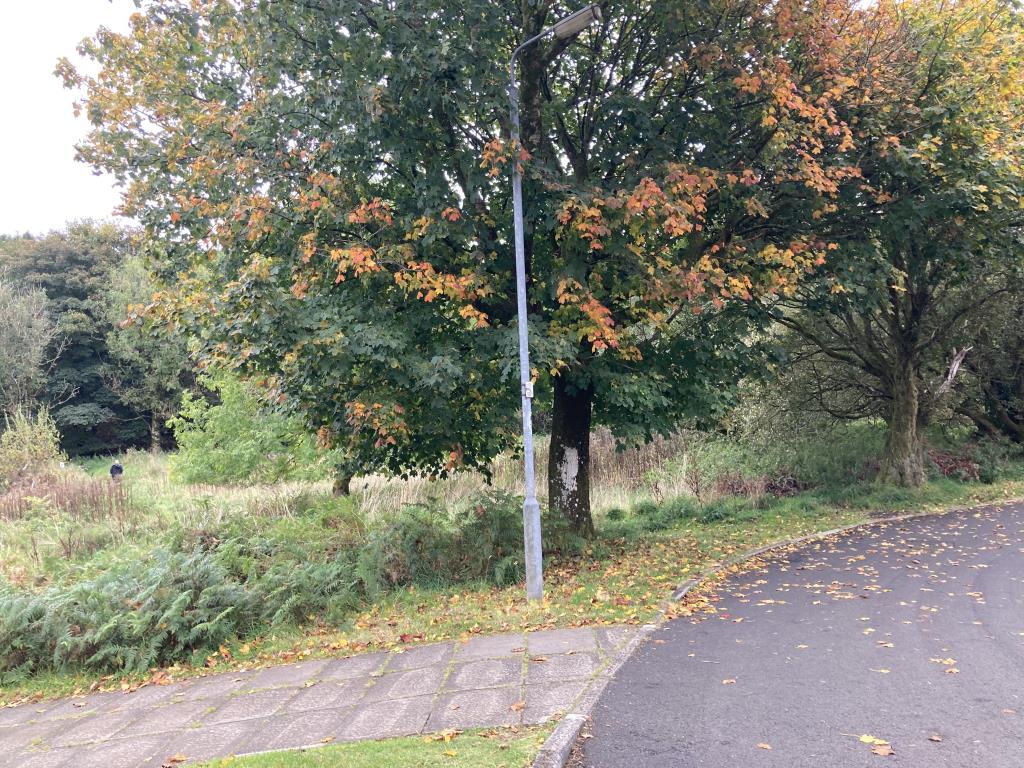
618 478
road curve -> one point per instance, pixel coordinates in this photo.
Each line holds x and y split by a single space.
911 633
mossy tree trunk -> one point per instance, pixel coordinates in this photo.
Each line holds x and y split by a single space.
903 460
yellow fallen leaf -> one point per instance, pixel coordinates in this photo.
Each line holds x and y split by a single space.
451 752
762 745
869 739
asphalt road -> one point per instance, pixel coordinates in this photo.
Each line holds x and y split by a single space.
911 633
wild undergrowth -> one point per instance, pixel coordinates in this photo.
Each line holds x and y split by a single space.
99 578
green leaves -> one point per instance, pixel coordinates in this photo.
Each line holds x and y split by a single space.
329 188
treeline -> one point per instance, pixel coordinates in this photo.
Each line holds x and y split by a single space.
66 347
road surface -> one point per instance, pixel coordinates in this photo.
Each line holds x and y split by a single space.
909 633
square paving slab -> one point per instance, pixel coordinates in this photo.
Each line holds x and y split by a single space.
400 717
485 673
476 709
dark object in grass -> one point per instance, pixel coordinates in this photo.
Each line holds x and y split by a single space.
116 470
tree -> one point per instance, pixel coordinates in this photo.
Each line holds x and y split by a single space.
72 268
25 344
993 397
933 234
148 369
329 180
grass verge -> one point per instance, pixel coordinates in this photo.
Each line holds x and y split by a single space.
624 576
491 748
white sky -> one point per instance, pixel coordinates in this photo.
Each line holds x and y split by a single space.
41 184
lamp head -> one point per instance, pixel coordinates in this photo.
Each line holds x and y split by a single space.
575 23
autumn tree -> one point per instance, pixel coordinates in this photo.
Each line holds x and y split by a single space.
329 179
26 343
931 237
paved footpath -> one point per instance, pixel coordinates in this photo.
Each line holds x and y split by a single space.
487 681
911 633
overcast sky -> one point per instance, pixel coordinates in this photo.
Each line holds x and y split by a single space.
41 184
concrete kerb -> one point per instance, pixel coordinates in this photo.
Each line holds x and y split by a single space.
557 748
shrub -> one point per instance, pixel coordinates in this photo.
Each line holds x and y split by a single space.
240 438
652 516
132 617
29 446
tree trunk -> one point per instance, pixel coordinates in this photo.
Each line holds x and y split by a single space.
154 433
903 460
569 456
342 483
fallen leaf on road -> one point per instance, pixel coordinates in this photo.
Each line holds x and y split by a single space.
518 706
869 739
729 682
882 750
935 737
762 745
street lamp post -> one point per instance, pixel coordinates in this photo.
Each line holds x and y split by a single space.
565 28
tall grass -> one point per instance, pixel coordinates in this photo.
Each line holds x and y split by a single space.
618 477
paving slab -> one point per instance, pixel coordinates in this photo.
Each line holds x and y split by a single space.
172 717
213 741
484 673
402 685
491 647
354 666
293 731
12 716
120 754
612 638
249 706
328 694
476 709
564 666
561 641
423 656
485 681
54 758
398 717
28 735
286 675
70 708
146 696
88 729
545 701
213 687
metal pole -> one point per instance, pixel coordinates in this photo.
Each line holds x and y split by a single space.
531 508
